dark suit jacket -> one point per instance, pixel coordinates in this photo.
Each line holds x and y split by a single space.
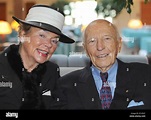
10 98
77 89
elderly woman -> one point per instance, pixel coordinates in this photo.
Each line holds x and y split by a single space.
27 76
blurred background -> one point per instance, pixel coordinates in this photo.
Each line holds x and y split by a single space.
131 17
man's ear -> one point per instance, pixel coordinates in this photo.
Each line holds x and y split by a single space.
119 44
85 49
83 45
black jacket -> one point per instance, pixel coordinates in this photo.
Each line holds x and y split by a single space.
11 80
77 89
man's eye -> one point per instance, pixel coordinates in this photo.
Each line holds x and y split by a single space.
107 38
92 40
41 35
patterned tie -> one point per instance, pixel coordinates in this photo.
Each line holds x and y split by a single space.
105 92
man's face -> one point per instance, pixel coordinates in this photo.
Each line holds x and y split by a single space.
39 45
101 44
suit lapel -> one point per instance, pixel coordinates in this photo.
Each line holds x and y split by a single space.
124 87
87 90
123 92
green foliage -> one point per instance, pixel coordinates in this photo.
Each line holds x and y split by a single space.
113 7
61 5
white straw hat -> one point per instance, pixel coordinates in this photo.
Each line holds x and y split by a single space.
47 18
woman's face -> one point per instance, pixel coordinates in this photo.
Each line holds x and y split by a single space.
38 44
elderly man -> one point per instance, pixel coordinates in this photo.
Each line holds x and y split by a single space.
107 83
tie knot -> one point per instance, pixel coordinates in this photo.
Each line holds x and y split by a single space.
104 76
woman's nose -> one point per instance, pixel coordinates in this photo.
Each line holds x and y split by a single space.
48 43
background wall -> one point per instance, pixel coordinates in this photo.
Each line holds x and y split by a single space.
16 7
140 11
19 8
122 19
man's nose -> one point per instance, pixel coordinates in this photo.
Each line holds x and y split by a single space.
100 45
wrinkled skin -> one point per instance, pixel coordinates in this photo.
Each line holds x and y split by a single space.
37 46
102 44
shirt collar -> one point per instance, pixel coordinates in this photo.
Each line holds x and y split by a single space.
111 72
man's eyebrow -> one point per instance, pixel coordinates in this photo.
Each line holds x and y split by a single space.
108 35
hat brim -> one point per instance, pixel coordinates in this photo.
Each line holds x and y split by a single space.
63 37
